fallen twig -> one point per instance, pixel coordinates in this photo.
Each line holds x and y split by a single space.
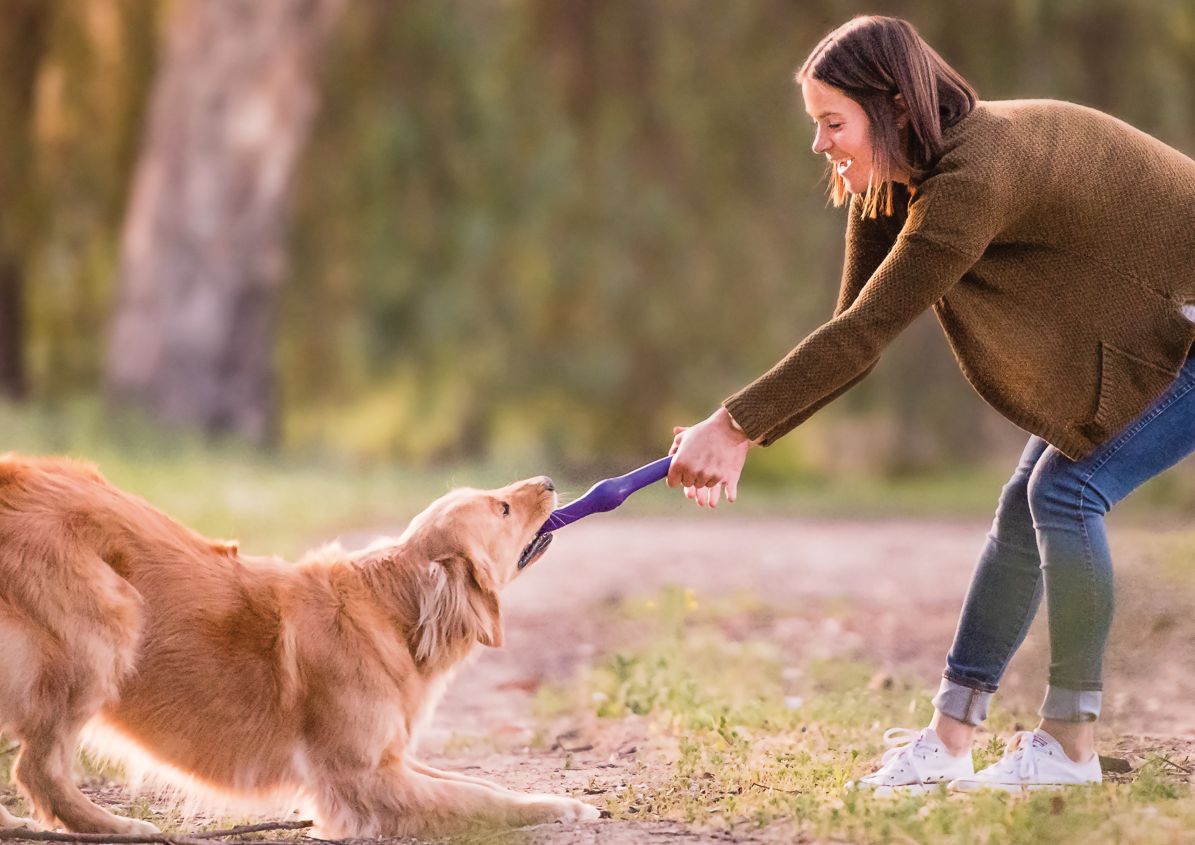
22 834
253 828
1184 769
776 788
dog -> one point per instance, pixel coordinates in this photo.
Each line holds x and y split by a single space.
251 676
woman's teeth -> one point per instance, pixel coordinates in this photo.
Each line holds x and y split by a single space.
844 165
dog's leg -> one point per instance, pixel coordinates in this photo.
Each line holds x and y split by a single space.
431 772
400 801
8 820
43 773
71 679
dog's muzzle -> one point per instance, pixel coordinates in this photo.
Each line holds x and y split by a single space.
534 549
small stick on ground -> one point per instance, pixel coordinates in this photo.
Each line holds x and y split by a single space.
201 836
1184 769
776 788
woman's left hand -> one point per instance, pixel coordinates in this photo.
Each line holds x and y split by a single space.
707 456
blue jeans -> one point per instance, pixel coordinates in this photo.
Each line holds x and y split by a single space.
1048 535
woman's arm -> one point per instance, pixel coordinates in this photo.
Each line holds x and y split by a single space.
953 217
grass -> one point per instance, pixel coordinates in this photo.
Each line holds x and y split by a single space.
754 737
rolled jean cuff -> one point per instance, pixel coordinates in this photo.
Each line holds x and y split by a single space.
1071 705
966 704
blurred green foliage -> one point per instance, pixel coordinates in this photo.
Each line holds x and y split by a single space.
548 231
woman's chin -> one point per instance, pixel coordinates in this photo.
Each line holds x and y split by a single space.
854 185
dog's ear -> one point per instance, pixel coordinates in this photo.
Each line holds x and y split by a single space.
458 605
484 599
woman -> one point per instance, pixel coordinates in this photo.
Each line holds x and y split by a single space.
1054 243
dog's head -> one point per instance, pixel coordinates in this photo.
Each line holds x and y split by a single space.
473 543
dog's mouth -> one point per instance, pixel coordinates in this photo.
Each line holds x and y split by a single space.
534 550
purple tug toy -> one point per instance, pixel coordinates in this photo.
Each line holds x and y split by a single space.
604 496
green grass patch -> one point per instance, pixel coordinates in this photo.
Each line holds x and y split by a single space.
749 743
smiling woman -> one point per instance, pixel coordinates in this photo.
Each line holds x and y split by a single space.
1053 243
879 125
842 133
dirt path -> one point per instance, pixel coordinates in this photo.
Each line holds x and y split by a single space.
895 588
549 629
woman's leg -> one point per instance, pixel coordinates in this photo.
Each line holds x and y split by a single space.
1004 594
1063 502
1068 501
1003 597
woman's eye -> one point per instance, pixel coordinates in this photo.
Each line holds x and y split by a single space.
834 125
506 508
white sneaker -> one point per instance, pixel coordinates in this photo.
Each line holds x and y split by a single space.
916 761
1034 760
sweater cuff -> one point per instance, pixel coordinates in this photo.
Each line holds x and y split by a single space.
745 416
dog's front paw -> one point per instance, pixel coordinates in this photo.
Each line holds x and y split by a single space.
135 827
8 820
553 808
586 812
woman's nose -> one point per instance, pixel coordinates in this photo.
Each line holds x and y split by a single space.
820 142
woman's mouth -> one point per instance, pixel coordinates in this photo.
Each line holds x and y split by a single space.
843 165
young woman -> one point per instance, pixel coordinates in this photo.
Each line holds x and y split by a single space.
1055 245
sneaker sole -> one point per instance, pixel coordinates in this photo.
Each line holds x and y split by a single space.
1013 788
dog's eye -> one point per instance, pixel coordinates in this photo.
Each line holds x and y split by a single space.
506 508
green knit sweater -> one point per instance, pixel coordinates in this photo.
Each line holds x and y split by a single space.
1056 246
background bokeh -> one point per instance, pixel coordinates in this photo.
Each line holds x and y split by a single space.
532 231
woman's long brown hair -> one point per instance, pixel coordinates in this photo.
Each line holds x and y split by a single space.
873 59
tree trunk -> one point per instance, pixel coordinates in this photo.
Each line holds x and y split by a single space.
204 245
23 29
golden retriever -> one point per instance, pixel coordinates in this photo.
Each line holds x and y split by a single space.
249 675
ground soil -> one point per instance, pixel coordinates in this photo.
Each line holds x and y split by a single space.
886 592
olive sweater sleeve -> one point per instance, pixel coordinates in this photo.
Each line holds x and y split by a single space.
887 281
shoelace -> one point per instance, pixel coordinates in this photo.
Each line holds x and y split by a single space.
1022 756
901 741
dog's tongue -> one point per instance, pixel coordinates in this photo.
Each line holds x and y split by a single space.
534 549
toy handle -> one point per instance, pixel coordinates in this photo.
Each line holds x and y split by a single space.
608 494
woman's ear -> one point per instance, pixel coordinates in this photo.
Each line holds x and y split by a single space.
901 109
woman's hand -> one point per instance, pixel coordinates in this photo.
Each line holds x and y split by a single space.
707 456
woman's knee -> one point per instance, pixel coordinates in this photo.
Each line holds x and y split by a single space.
1057 490
1014 523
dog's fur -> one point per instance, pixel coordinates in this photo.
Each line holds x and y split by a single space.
250 675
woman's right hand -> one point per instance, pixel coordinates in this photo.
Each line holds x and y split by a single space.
708 456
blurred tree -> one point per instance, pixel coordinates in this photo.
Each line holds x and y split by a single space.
90 102
203 250
540 229
23 28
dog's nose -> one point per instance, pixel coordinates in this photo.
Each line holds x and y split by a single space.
548 483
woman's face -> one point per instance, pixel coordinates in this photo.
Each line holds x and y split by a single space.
842 133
